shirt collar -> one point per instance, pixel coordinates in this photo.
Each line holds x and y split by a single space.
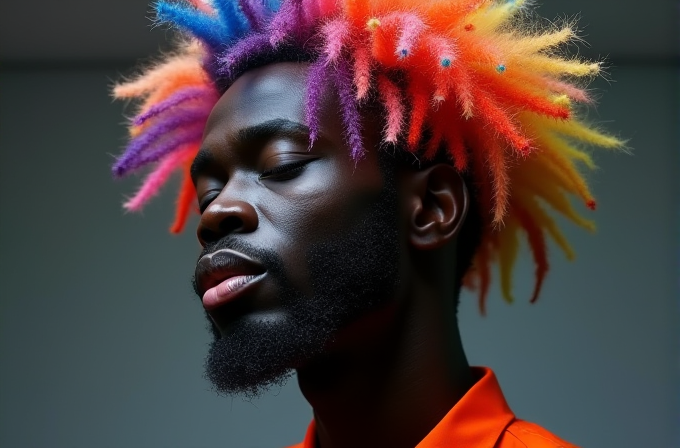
478 419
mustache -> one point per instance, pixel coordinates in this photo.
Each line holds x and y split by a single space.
234 243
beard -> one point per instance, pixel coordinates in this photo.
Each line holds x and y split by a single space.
351 273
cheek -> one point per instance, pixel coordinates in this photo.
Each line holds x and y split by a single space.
324 197
315 210
325 202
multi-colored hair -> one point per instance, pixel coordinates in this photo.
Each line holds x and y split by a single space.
477 77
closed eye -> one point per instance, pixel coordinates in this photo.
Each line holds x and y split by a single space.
286 171
206 200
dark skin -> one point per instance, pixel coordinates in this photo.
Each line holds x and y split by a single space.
390 376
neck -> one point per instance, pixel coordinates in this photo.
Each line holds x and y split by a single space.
389 386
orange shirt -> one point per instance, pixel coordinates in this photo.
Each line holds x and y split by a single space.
481 419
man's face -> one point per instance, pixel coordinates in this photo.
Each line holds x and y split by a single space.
298 242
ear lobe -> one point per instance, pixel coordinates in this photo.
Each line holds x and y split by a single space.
438 206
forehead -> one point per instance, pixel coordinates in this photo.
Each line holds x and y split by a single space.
278 92
272 92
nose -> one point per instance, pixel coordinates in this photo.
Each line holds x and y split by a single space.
225 216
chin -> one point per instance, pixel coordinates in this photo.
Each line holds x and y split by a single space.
266 320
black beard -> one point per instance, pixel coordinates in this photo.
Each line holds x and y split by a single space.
351 274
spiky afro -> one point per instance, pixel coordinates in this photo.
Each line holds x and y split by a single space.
485 82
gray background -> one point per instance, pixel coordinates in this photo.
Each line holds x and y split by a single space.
102 341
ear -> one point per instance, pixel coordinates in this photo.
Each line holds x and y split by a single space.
437 206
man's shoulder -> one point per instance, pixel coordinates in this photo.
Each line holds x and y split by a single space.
523 434
520 434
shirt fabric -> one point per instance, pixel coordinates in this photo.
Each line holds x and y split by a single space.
481 419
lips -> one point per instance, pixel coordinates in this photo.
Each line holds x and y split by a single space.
224 275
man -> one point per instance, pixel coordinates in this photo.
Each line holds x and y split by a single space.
353 166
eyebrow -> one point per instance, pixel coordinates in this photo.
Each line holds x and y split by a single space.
279 127
266 130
